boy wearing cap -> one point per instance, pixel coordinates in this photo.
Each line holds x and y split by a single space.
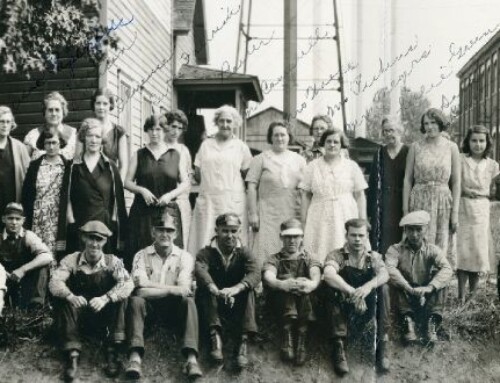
25 259
162 274
227 274
419 271
292 276
358 294
91 286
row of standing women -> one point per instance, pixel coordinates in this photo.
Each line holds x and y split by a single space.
322 187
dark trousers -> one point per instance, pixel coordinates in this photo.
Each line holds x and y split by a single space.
31 289
107 321
287 306
239 319
178 310
343 316
410 305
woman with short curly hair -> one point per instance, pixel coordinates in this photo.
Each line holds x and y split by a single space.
432 165
221 165
55 109
96 190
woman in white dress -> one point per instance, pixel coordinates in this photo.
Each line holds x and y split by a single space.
55 109
175 123
220 167
473 231
273 194
332 193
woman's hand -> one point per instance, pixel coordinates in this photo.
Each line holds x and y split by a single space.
164 200
253 221
453 223
149 197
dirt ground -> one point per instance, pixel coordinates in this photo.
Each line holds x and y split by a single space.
472 355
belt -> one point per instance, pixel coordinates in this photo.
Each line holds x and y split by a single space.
431 183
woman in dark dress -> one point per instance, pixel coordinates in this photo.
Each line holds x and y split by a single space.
114 137
157 179
14 161
96 190
385 196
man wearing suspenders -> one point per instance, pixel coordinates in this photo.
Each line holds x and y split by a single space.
90 286
358 294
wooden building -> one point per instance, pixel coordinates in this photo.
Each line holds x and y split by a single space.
362 150
479 91
257 124
200 88
156 38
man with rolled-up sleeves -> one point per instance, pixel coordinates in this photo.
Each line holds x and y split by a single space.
420 272
90 286
163 276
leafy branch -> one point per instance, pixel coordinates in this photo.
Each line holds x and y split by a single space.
34 34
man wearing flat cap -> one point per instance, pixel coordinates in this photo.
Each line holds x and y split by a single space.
356 280
25 258
90 286
227 274
419 271
163 276
290 277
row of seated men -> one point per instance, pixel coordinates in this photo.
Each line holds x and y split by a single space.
352 284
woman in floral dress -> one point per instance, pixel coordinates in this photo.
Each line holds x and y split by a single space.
432 165
273 192
45 193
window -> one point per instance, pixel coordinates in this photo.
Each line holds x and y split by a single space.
147 111
487 82
494 75
481 83
125 106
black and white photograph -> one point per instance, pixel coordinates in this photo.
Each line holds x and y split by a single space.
254 191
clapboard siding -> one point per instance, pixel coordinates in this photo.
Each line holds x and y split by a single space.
76 82
149 39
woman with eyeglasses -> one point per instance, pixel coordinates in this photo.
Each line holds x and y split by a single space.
45 193
177 124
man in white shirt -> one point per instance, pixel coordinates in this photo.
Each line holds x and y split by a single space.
163 275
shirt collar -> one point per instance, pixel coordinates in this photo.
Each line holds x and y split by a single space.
18 235
345 250
173 145
103 158
176 251
300 254
100 263
215 245
59 161
407 245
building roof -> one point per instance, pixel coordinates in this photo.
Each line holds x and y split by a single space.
485 48
197 75
272 108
